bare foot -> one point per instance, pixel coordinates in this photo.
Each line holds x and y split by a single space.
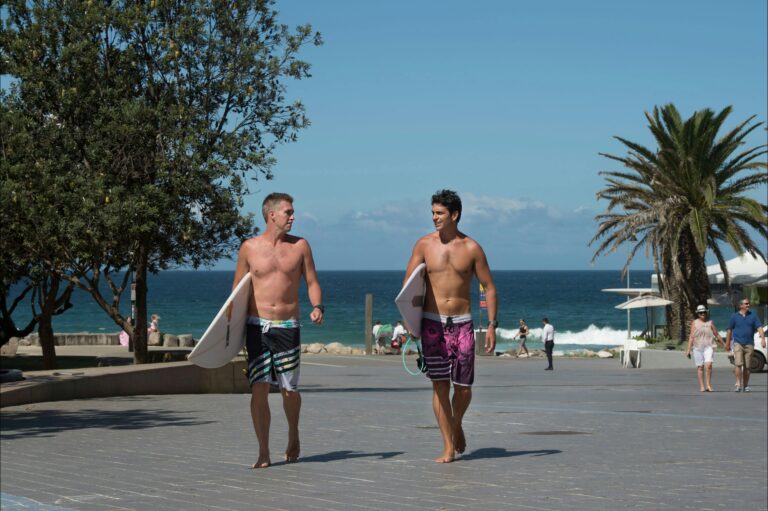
458 439
292 453
262 463
444 459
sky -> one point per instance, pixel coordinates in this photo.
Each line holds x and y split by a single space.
506 102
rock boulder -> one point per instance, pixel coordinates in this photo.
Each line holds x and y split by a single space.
316 347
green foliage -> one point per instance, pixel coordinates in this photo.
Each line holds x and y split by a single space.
159 114
684 197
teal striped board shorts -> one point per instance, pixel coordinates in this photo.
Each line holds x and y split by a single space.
274 352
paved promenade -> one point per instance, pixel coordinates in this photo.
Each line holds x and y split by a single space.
588 436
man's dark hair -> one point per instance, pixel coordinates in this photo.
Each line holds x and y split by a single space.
449 199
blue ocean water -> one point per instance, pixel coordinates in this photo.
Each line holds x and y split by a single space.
583 315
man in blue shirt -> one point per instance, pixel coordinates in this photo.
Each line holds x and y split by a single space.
741 329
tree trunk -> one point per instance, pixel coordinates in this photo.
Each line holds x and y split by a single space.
8 326
676 310
700 291
47 301
687 288
47 342
140 327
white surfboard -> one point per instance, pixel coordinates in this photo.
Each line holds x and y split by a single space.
410 300
225 336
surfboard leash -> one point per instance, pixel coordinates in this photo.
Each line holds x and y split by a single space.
420 362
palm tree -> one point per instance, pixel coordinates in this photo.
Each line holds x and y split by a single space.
683 198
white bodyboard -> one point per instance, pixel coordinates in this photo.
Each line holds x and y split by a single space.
225 336
410 300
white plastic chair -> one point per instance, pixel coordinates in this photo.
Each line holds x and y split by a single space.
631 345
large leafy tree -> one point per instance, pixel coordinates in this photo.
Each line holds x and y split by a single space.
684 197
171 107
35 202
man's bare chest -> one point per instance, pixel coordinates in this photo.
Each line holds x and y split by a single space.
275 261
442 260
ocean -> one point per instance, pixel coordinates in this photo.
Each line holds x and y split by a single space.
583 315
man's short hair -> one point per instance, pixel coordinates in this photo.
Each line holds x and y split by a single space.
449 199
272 200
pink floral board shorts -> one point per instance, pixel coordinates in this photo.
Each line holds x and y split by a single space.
449 347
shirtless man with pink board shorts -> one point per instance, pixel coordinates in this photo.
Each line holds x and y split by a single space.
447 333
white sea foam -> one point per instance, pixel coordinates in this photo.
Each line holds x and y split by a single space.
605 336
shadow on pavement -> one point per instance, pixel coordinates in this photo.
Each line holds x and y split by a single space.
346 455
49 422
500 452
388 390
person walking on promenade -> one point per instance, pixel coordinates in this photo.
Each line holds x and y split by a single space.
702 341
447 332
741 330
523 334
276 262
548 335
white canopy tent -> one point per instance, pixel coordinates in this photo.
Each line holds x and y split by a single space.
744 270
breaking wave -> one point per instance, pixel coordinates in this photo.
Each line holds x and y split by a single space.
605 336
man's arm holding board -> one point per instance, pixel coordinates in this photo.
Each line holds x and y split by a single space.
241 269
417 257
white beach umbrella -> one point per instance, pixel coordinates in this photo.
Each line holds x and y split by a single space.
644 301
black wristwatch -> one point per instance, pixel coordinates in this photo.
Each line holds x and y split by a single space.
320 306
493 323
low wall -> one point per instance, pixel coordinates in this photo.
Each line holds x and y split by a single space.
76 339
660 359
91 339
147 379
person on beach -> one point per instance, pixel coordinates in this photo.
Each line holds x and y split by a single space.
124 337
447 332
522 333
741 330
548 336
153 326
375 333
276 262
702 341
399 335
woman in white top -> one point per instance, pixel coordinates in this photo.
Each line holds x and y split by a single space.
702 340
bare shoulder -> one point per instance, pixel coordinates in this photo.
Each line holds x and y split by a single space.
472 246
250 243
427 238
297 242
424 242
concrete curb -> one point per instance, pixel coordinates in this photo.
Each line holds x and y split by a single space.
660 359
149 379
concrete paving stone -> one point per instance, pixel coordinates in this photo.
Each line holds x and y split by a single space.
587 436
